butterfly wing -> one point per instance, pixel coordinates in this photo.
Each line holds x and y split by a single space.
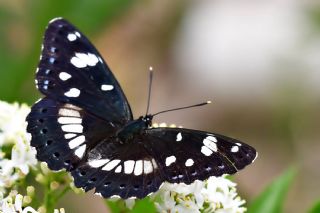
62 132
185 155
84 103
72 71
116 169
140 166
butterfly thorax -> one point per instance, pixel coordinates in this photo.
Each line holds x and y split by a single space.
134 128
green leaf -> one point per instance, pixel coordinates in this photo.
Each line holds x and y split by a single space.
145 205
115 206
315 208
272 198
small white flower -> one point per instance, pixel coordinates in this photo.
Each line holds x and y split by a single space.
61 210
14 203
12 122
217 194
23 156
13 136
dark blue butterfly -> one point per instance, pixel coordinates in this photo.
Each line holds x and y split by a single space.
85 125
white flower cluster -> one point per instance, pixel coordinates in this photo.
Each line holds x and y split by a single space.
217 194
15 202
16 155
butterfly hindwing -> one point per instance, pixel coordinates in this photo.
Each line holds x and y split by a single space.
116 169
71 70
137 168
62 132
186 155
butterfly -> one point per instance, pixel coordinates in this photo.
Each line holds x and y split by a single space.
84 125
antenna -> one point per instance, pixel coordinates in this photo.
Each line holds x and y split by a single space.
149 91
186 107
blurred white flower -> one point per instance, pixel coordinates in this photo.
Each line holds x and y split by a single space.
252 45
61 210
15 203
12 122
16 154
217 194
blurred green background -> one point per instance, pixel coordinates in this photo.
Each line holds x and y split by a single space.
258 62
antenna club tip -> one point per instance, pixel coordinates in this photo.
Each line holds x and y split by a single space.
209 102
151 68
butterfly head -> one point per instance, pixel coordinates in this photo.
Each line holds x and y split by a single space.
148 120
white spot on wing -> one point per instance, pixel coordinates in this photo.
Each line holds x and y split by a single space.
210 143
239 144
138 168
235 149
77 34
80 151
189 162
69 112
111 165
98 163
69 135
77 141
128 166
72 93
118 169
154 163
206 151
82 60
170 160
71 106
64 76
179 137
106 87
77 62
72 37
69 120
212 138
147 167
93 59
76 128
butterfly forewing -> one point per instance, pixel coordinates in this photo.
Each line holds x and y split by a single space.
71 70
